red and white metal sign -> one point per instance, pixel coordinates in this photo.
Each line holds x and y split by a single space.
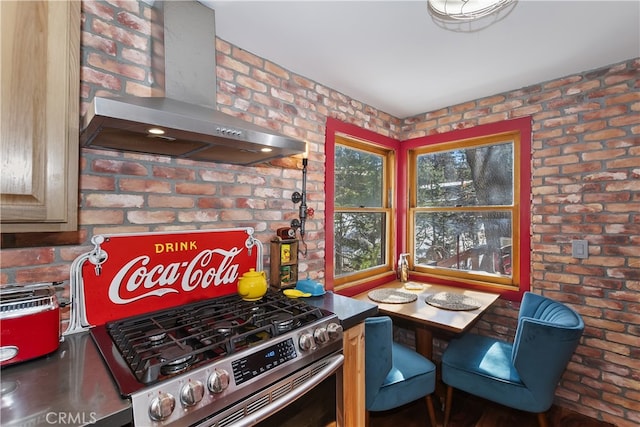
152 271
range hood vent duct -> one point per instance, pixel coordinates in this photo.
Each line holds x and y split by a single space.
193 128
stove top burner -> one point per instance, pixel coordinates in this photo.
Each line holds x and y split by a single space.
226 327
284 322
156 336
177 359
156 346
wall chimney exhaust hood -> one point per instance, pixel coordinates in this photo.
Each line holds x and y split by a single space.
185 123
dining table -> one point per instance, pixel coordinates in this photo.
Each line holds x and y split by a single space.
429 309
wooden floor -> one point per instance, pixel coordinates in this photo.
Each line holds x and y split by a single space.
469 411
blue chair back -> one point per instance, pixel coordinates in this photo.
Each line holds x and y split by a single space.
378 351
547 335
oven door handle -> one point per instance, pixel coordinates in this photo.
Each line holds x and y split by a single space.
272 408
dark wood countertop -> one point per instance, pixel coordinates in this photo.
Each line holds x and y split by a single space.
349 310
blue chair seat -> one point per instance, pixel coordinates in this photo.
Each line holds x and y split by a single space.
523 374
482 366
411 378
394 374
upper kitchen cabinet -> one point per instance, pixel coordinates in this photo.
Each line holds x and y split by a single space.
40 46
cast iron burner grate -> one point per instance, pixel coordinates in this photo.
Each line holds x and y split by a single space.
158 345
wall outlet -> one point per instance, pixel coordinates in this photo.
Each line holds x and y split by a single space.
580 248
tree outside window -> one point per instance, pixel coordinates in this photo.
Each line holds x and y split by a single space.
463 216
464 209
361 217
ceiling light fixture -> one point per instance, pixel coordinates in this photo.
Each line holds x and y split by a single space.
469 15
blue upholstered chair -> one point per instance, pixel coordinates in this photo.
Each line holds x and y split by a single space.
523 374
394 374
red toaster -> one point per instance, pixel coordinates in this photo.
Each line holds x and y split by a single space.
29 322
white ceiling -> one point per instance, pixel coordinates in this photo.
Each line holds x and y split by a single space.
392 56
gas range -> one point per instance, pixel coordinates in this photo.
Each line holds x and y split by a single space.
204 356
195 360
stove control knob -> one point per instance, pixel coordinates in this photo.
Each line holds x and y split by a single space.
218 381
321 335
307 342
334 330
161 406
191 393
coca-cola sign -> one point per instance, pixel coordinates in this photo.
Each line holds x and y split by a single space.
132 274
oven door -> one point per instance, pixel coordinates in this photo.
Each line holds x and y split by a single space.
310 397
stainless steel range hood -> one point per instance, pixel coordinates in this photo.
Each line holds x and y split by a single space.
192 127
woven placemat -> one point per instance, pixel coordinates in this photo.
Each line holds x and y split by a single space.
450 301
391 296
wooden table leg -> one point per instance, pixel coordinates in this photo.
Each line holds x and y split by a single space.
424 342
424 346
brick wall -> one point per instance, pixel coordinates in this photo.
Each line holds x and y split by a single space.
586 181
585 185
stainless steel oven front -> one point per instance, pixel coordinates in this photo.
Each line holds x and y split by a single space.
311 397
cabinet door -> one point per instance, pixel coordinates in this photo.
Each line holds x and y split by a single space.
40 46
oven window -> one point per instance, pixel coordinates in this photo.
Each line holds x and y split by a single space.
317 408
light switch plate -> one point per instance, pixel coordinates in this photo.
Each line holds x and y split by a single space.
580 249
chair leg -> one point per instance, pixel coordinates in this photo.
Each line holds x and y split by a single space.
542 419
447 405
432 412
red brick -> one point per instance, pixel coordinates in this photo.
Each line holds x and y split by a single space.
626 120
121 35
26 257
603 154
236 190
626 98
216 203
118 167
100 216
622 163
93 182
188 217
195 188
581 128
98 8
236 215
251 84
113 200
150 217
611 90
144 186
140 58
604 134
581 167
99 78
157 201
102 44
51 273
139 89
134 22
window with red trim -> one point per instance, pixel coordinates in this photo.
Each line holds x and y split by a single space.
468 209
461 209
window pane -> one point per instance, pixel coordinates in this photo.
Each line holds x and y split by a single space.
359 241
358 178
480 176
464 240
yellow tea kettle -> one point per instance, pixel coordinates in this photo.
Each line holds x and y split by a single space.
252 285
